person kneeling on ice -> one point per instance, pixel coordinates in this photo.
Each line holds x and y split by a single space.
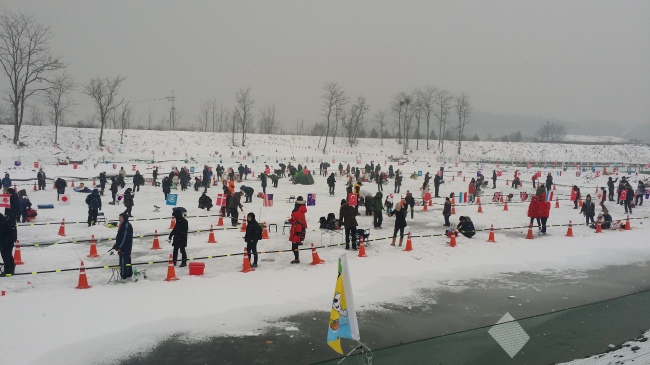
179 236
253 234
205 202
123 245
466 227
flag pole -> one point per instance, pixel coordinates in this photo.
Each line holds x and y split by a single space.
360 347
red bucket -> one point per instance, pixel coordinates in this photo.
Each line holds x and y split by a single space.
197 268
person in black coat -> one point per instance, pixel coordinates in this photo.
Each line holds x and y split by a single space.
179 237
60 185
123 245
466 227
331 182
155 176
610 188
248 193
398 181
263 179
128 201
588 209
629 197
166 186
102 182
400 222
494 179
205 202
13 212
549 181
409 201
8 237
437 180
446 212
94 202
197 184
253 234
113 189
40 177
206 177
138 180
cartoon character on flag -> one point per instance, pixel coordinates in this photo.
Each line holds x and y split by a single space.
311 200
343 316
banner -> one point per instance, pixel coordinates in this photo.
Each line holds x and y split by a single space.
64 200
221 200
311 200
172 199
4 201
352 200
343 316
496 197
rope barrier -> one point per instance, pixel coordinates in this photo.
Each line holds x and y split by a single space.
275 251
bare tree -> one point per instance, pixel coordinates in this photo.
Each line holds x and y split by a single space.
417 115
103 91
203 118
232 124
333 98
442 100
380 118
26 59
426 97
551 132
407 120
463 110
126 117
357 120
268 123
244 112
218 116
149 119
339 115
397 107
57 98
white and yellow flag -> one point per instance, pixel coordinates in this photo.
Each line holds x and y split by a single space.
343 316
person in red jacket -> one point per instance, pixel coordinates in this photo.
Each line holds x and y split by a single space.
471 190
533 211
544 212
298 231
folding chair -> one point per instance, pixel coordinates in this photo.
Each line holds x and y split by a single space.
156 208
101 218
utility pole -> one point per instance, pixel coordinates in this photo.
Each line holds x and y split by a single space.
172 111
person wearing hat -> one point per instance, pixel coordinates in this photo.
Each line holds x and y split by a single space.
298 228
123 245
178 236
400 222
40 177
6 184
253 234
94 202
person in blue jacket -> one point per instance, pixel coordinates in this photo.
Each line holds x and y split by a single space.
6 184
123 245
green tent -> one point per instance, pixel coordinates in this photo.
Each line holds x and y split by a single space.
302 179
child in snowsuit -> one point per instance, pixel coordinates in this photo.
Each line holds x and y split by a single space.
588 209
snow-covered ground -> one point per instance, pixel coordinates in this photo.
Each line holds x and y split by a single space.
64 325
594 139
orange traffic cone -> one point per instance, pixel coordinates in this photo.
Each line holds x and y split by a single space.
72 185
557 203
315 260
580 203
409 244
452 242
53 185
18 259
171 271
362 248
424 207
554 187
156 242
569 231
93 248
172 224
453 206
62 228
35 187
596 192
220 223
505 206
529 236
599 229
507 182
430 202
83 280
501 200
247 263
491 236
480 208
243 226
463 178
95 182
211 236
452 178
627 223
265 232
478 200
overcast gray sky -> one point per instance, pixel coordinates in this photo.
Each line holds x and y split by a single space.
571 60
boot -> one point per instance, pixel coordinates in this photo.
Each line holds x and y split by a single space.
400 241
347 246
393 243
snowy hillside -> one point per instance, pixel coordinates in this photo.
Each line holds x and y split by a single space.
82 144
